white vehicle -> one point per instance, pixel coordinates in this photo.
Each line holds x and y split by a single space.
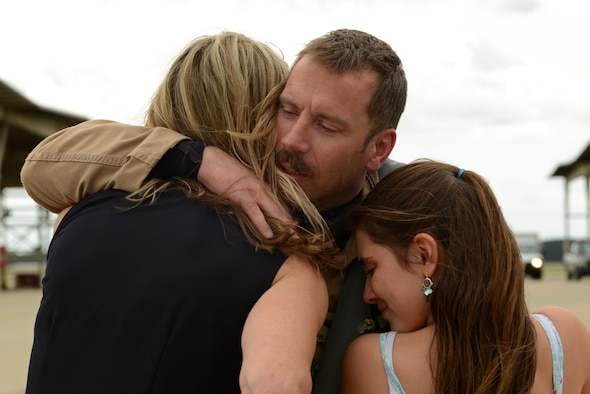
577 259
531 252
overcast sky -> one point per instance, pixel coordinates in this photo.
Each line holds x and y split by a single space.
501 87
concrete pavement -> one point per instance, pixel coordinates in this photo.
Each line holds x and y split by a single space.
18 309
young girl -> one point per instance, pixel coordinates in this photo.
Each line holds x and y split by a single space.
444 270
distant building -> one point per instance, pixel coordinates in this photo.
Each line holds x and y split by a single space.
580 167
23 125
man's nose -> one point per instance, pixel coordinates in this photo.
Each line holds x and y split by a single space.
297 138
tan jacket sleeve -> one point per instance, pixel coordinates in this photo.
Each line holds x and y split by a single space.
92 156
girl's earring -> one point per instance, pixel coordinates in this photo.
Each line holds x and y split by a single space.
427 287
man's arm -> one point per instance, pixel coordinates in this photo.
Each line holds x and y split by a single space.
92 156
279 337
97 155
223 174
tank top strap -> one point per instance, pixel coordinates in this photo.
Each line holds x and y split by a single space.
556 350
386 343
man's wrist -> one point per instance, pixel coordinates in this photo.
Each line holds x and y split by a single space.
183 159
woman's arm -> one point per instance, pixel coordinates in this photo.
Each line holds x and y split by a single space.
279 337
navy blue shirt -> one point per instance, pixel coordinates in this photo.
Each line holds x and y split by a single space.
145 300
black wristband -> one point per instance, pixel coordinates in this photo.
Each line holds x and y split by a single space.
183 159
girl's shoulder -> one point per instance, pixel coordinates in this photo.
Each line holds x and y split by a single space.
575 340
362 367
363 346
566 322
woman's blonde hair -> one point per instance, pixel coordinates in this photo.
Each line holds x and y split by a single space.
223 89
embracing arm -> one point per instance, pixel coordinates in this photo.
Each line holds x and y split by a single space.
223 174
279 337
92 156
97 155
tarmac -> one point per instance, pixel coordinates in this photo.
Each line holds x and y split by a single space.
18 308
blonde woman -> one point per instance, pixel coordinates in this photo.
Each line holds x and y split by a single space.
172 289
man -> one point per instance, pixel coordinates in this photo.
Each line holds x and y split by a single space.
336 126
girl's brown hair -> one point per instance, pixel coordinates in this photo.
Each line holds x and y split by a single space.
484 340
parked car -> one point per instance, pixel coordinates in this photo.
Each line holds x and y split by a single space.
577 259
531 252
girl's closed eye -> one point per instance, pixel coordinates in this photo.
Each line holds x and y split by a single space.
368 268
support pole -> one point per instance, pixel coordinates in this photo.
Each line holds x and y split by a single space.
4 130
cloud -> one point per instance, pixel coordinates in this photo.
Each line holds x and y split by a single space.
489 57
522 6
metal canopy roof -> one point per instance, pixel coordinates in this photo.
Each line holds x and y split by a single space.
23 125
578 167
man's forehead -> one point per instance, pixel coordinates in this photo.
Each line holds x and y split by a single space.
310 83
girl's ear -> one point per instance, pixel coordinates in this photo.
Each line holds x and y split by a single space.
425 247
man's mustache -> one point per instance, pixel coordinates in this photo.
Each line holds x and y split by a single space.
292 163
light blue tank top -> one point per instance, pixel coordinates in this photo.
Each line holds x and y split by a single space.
386 340
395 387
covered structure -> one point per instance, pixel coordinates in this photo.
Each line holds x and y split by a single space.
23 125
580 167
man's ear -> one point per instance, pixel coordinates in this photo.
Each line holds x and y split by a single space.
425 247
380 147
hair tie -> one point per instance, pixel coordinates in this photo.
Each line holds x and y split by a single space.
460 173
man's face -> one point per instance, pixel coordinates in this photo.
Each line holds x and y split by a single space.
322 124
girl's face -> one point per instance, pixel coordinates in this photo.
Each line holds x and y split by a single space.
395 289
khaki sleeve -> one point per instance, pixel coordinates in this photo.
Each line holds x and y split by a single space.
92 156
